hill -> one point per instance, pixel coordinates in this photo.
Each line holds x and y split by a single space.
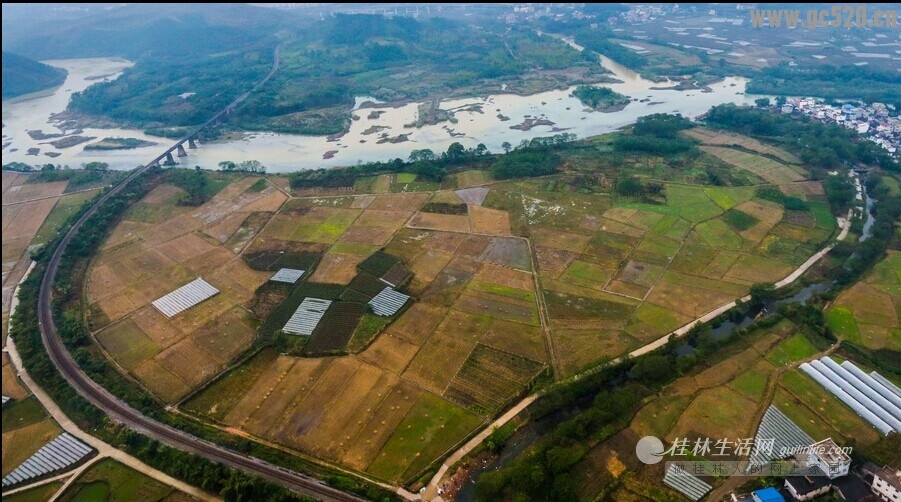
22 75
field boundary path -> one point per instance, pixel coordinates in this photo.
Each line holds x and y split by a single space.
104 450
431 490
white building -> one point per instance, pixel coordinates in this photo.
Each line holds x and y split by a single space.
829 457
887 484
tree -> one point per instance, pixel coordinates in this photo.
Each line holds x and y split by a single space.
506 146
253 166
629 186
455 153
652 368
762 292
481 150
96 166
424 154
762 102
227 165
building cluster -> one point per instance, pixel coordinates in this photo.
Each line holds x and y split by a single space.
828 469
874 122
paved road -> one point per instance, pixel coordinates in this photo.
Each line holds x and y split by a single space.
104 450
121 412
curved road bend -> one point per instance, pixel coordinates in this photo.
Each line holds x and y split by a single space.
120 411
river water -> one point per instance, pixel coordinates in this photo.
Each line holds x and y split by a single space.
287 153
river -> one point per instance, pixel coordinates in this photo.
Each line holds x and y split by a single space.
288 153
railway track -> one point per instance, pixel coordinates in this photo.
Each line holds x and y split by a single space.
120 411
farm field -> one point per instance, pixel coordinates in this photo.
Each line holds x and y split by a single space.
867 312
23 442
158 247
111 481
618 274
725 397
509 282
32 214
718 138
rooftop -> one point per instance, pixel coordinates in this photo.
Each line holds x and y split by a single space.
829 452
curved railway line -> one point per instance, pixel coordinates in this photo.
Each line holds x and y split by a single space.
121 412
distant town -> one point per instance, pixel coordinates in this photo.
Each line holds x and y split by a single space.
873 122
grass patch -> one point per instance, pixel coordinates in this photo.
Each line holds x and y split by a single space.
828 407
222 395
500 290
39 494
370 326
643 206
404 178
416 186
822 215
258 186
568 306
727 198
841 322
751 383
659 416
793 349
113 482
66 206
22 413
431 427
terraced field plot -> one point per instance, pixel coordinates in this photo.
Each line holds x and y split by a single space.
867 313
621 274
590 276
171 356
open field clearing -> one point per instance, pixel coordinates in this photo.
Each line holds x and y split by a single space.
516 338
467 179
389 395
431 427
390 353
439 359
360 450
814 399
66 206
489 221
336 268
20 224
708 137
490 378
12 387
19 193
868 312
399 202
768 169
12 178
21 443
127 344
222 395
112 481
716 413
446 222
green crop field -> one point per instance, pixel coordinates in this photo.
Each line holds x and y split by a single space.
111 481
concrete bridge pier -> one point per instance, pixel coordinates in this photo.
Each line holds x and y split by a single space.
169 160
181 151
191 143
